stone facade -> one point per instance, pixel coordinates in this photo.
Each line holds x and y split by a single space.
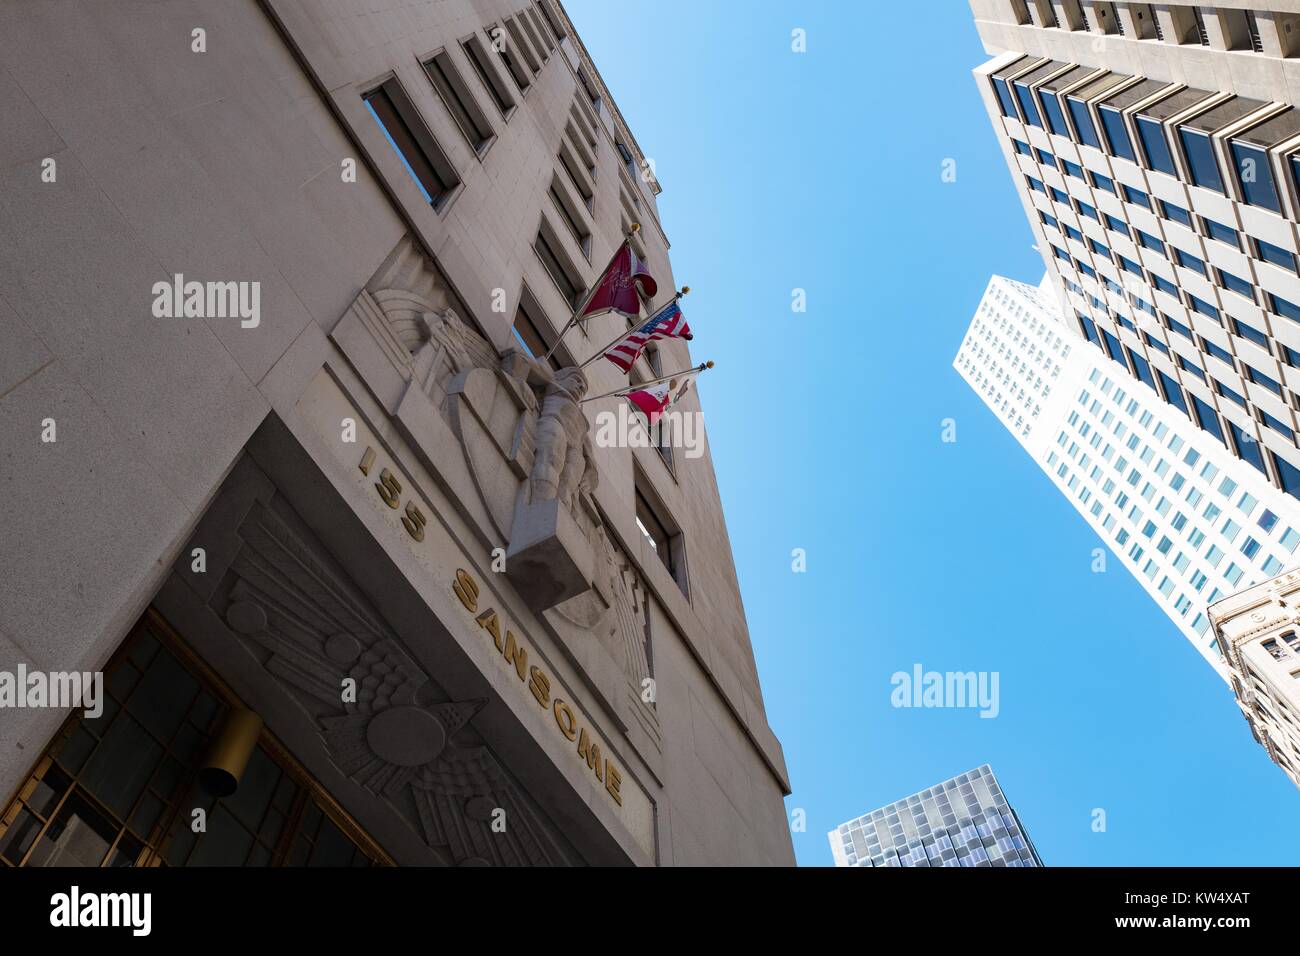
385 485
1257 629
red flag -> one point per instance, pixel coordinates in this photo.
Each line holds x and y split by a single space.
616 290
653 400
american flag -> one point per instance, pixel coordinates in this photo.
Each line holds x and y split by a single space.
667 323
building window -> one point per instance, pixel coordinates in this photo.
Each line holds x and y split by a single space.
1203 307
1176 213
1255 176
1250 333
1200 159
628 160
1052 111
520 44
535 33
502 44
459 101
1284 308
552 20
528 332
661 535
1278 256
1221 233
571 168
1005 102
573 219
565 276
1026 98
1148 241
1207 418
488 75
1277 425
1117 138
1083 122
541 27
1247 447
120 789
1259 378
1154 144
401 125
1189 262
1236 284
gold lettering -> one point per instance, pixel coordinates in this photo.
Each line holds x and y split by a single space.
588 749
466 589
514 654
567 723
488 621
367 460
389 488
540 685
612 779
414 521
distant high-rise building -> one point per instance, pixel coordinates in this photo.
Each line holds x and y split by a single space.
1190 521
1155 148
1259 631
965 821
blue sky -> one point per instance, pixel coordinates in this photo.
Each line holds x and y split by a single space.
821 171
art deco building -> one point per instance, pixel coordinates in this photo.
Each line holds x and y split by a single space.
965 821
283 456
1154 148
1189 520
1258 629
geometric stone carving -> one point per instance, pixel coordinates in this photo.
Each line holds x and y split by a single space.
385 723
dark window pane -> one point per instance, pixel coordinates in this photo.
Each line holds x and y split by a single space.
1052 110
1255 176
1027 105
1004 98
1200 157
1116 133
1083 123
1155 145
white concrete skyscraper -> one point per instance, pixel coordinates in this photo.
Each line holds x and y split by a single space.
1188 519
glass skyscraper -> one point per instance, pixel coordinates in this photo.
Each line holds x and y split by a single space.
965 821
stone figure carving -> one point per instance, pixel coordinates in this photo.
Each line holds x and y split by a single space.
562 463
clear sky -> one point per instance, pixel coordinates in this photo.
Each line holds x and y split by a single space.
822 171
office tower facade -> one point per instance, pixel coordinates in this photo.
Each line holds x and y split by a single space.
1259 631
285 459
1190 521
1153 148
965 821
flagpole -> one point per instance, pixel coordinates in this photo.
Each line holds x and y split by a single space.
624 334
703 366
586 299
